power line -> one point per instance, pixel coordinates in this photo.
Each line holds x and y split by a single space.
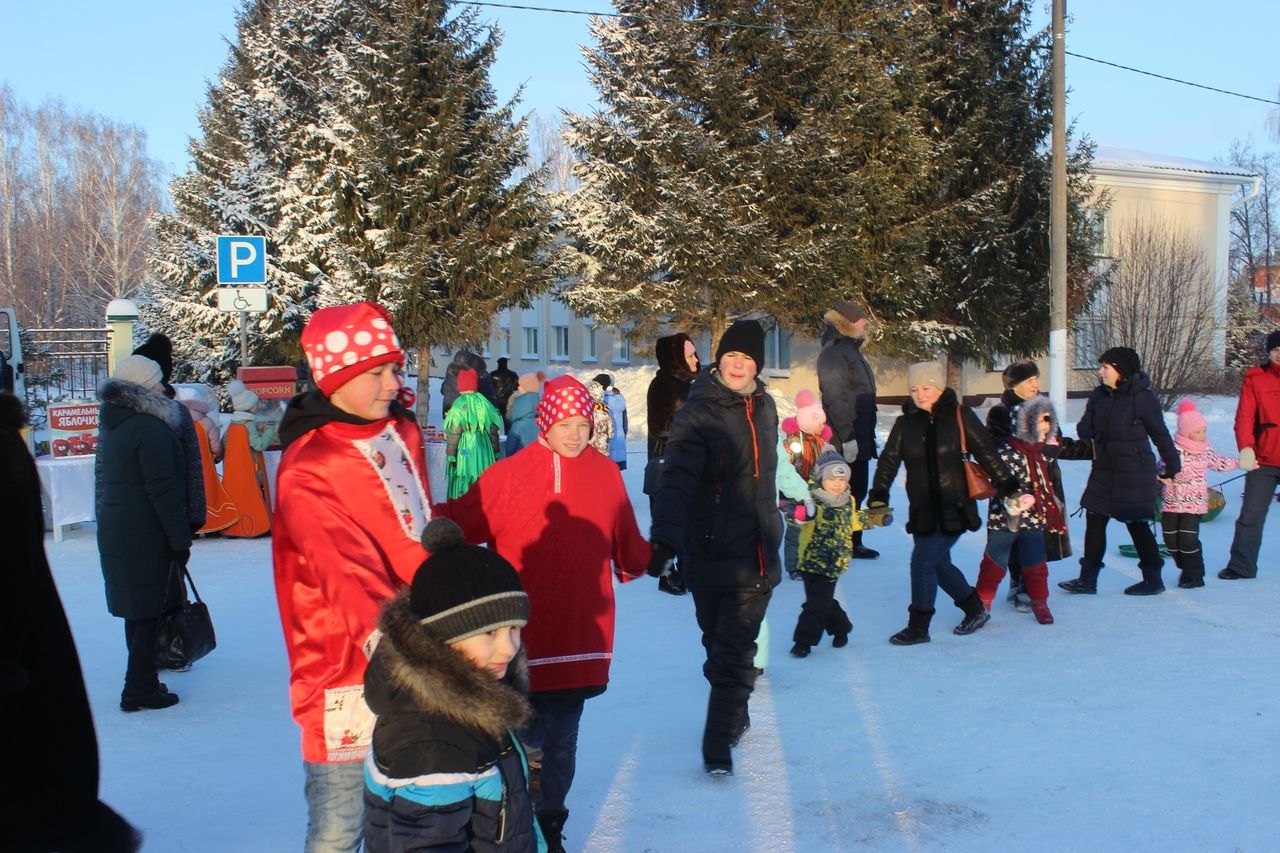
848 35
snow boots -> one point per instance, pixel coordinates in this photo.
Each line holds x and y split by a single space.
917 630
975 614
727 720
552 826
990 573
800 650
1087 583
1037 580
1151 584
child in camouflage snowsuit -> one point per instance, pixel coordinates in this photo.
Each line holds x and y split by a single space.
826 546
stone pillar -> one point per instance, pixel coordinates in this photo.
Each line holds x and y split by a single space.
121 314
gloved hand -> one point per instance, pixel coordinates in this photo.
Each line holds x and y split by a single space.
180 555
849 450
1248 460
661 561
877 514
805 511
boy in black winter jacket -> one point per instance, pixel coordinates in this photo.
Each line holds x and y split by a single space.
448 684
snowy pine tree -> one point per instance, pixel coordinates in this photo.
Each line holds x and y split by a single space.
363 139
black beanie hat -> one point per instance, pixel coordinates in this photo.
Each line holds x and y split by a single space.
605 380
463 590
746 337
1019 372
1273 341
1123 359
159 349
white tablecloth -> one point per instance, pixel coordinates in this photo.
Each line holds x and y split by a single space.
437 478
68 490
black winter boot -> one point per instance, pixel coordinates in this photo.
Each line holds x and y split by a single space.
1087 583
552 825
917 630
975 614
725 716
1151 584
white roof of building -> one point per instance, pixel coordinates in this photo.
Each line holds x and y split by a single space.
1109 159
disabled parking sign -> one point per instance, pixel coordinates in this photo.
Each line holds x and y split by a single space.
242 260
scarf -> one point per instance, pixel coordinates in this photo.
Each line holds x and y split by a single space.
1042 484
1190 445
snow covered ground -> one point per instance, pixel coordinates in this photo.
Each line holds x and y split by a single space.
1131 724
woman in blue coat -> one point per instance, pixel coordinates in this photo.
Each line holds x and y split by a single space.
1122 418
143 530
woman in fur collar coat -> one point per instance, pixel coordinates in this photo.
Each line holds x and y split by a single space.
448 683
143 529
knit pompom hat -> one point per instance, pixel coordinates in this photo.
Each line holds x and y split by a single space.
562 397
346 340
1189 418
810 417
463 590
830 464
139 370
242 399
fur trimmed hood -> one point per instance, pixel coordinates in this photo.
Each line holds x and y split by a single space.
438 681
1029 414
840 323
144 401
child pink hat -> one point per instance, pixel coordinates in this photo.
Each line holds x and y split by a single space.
809 414
1189 418
346 340
562 397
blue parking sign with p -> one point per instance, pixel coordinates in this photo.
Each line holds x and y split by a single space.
242 260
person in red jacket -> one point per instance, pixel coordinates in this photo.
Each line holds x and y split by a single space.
1258 437
558 511
351 503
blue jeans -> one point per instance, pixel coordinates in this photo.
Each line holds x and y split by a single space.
1029 545
554 729
931 568
1259 488
335 806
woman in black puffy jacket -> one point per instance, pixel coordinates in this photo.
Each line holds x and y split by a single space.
1122 418
926 439
678 365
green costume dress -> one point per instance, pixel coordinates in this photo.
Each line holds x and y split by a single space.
472 426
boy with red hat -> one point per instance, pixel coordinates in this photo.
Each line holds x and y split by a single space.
558 511
351 503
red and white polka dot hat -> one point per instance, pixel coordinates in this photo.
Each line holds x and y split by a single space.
562 397
346 340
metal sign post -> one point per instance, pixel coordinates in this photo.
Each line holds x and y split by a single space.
242 260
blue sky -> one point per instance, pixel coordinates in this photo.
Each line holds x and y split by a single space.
147 62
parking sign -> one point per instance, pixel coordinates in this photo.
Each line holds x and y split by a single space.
242 260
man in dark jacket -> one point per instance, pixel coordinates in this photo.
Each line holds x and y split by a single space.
143 531
848 389
42 691
1258 437
716 506
505 381
677 366
465 359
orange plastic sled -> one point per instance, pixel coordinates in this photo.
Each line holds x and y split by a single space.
220 508
244 476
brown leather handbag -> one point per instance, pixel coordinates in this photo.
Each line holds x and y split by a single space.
975 476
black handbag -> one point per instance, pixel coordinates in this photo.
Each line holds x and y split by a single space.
186 632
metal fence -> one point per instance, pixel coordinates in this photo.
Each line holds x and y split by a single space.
62 364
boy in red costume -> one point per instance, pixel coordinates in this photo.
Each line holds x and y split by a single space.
558 511
351 503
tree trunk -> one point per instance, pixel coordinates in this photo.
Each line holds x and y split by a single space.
955 375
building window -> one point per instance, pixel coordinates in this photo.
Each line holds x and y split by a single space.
777 352
621 347
504 341
589 342
560 343
531 350
1086 342
1098 227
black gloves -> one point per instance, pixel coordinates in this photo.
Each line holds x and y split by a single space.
661 561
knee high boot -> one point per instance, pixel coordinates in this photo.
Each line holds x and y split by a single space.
990 573
1037 579
1087 583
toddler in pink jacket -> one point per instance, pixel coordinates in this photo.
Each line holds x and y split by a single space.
1186 496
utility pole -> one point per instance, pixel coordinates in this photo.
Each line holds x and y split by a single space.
1058 220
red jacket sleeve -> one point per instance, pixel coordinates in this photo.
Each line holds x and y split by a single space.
475 510
1247 411
631 552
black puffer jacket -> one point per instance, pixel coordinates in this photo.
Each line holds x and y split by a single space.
141 486
717 502
448 772
848 389
668 390
929 445
463 360
1122 423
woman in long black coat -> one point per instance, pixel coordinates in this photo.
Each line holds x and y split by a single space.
1123 418
42 695
926 439
677 368
142 517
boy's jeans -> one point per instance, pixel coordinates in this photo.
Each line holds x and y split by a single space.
335 806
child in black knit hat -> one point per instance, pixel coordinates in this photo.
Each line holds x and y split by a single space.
448 683
826 546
